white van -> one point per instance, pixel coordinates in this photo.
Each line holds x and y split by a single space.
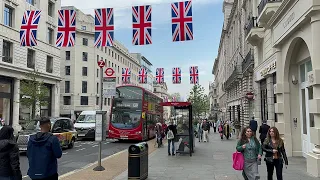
85 125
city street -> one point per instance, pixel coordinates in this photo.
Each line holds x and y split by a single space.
83 153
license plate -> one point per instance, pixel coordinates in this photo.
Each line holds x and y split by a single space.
82 135
123 137
22 149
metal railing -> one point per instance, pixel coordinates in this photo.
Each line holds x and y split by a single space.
263 4
252 23
236 74
248 61
7 59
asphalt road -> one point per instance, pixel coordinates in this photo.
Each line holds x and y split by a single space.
83 153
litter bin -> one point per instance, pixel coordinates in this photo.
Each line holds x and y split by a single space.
138 161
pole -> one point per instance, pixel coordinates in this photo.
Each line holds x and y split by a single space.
100 167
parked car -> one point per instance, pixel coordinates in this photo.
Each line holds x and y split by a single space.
60 126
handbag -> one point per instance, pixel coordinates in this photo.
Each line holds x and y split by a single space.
238 161
268 159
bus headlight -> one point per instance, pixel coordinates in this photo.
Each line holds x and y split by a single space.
110 131
139 132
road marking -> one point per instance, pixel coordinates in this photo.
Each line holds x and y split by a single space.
65 153
106 142
77 146
81 149
95 145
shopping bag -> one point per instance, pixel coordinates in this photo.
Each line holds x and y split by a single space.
238 161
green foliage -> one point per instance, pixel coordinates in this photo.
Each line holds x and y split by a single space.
33 92
177 95
199 100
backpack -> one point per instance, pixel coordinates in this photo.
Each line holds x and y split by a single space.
170 135
238 161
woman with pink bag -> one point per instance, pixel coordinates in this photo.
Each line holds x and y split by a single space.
250 147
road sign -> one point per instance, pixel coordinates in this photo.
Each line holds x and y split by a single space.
109 73
109 87
101 63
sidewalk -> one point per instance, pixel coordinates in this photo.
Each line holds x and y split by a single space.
211 161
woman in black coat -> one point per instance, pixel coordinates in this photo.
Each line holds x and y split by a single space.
9 155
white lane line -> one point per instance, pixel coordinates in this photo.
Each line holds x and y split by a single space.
106 142
95 145
65 153
77 146
81 149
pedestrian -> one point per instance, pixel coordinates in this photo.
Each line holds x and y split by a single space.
275 153
253 124
237 128
42 152
199 130
251 149
9 155
214 127
159 133
220 129
226 129
205 128
208 126
263 130
171 133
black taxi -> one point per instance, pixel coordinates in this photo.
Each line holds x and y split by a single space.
60 126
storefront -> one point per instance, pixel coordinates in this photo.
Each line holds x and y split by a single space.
6 99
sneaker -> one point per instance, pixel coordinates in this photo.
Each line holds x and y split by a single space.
173 154
169 154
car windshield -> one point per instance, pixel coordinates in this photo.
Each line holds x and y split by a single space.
35 125
86 118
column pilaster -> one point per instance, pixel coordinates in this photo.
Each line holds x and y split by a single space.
16 105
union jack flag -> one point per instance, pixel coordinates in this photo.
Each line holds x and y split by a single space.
165 99
160 75
143 74
66 28
141 24
182 27
176 75
104 27
174 99
194 75
29 28
126 73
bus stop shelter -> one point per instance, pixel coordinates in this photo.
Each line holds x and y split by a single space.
185 131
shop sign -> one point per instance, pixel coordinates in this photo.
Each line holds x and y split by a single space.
269 69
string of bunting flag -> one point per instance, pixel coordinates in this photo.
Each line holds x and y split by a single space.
181 23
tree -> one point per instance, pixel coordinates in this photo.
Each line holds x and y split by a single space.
178 98
33 92
199 100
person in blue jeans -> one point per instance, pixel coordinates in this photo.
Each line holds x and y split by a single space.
171 133
43 151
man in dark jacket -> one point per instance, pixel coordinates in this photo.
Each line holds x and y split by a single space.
9 155
172 128
253 126
43 151
263 130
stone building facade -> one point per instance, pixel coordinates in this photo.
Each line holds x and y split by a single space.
16 61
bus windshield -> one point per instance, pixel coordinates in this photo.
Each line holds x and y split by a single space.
124 119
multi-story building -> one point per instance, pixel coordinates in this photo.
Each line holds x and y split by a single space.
235 77
161 90
286 40
16 61
81 85
145 63
213 95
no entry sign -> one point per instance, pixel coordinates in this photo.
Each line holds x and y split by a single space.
109 72
101 63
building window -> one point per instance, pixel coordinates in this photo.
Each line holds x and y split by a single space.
264 100
84 87
108 101
97 88
84 56
85 41
118 68
115 55
31 58
84 100
67 87
97 101
109 52
50 36
97 72
50 8
112 53
67 55
30 2
84 28
49 67
112 65
118 58
7 51
66 100
97 58
84 71
109 64
68 70
8 16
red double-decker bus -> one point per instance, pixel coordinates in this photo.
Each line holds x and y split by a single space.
134 114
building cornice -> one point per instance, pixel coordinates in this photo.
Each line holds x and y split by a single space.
280 11
232 13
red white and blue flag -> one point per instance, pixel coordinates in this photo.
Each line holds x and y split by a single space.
143 76
66 28
182 26
141 24
174 99
194 75
29 28
104 27
160 75
165 99
176 75
126 75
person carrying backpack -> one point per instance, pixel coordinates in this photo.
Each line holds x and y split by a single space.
171 133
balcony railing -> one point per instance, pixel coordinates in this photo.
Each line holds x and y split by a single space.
7 59
263 4
248 61
252 23
236 74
